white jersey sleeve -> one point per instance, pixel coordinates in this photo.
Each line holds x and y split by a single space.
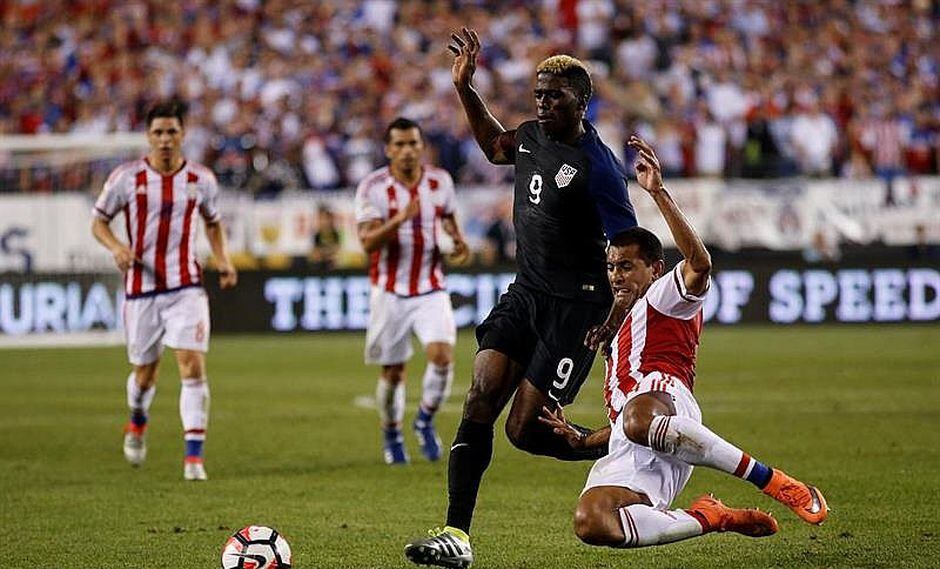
113 196
669 296
209 207
366 206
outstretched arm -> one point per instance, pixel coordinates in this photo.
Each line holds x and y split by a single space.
497 143
698 263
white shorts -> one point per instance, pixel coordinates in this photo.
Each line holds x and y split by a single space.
178 319
392 319
641 469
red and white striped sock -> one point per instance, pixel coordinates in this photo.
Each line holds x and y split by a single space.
693 443
644 525
194 412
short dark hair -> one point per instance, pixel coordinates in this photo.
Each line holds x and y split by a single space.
401 123
571 69
169 109
651 248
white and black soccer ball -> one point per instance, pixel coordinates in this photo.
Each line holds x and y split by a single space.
256 547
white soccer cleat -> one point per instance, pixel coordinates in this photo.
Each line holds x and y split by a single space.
194 470
448 547
135 445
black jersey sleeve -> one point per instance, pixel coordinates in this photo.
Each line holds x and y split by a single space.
607 184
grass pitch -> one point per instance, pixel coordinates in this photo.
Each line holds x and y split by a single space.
855 410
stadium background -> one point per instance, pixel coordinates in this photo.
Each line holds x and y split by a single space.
801 138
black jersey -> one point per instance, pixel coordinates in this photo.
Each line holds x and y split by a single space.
569 200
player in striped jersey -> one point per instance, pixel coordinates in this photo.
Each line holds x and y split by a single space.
655 434
165 304
398 210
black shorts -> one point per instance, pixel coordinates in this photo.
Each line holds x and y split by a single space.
545 335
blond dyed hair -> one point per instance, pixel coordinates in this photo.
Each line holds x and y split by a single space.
570 68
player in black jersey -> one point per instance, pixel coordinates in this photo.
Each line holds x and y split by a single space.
570 198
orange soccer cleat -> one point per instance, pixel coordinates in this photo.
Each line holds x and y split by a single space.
715 516
806 501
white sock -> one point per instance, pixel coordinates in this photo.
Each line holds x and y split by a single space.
644 525
693 443
194 408
139 399
436 386
390 402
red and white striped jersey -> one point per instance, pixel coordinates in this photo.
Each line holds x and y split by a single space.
661 333
158 214
410 262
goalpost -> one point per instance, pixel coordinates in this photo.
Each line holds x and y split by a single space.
46 163
56 284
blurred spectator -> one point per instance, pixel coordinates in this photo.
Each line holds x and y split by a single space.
312 82
813 135
326 240
500 245
822 249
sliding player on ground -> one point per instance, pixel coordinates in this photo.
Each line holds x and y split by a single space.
655 435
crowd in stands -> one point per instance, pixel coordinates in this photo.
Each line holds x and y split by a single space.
287 94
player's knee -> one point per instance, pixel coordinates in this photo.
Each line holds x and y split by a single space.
192 370
440 359
393 374
636 425
145 376
517 431
589 526
482 403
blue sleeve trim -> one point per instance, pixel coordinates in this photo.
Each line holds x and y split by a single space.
607 184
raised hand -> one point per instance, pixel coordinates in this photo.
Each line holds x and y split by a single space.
465 46
648 171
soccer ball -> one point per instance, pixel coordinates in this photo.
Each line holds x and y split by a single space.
256 547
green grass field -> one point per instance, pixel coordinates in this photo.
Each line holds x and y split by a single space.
855 410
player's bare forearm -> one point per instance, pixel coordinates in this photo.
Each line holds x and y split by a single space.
688 241
101 229
123 257
623 302
461 251
554 418
216 236
601 335
649 174
451 228
497 144
215 233
373 235
596 439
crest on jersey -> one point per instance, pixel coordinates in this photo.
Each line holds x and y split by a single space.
564 176
192 190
